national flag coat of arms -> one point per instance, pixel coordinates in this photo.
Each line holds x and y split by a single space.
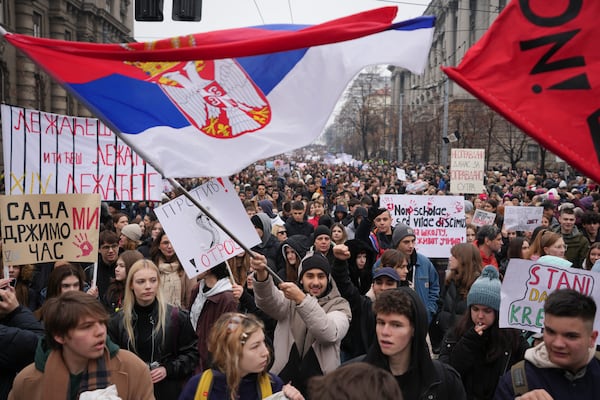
210 104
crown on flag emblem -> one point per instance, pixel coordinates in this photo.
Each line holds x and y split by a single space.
215 96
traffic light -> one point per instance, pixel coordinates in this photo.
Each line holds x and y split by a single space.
183 10
187 10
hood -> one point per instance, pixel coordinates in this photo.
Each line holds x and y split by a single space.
299 243
43 350
266 223
538 356
356 246
267 207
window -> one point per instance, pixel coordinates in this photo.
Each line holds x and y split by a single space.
148 10
532 152
108 6
37 24
68 35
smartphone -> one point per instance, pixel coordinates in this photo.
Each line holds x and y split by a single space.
13 282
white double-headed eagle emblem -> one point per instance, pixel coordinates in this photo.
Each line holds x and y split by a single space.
217 97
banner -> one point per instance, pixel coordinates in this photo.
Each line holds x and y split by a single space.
526 219
526 287
438 221
52 154
51 227
467 168
199 243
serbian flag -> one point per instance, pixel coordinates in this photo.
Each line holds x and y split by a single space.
210 104
539 66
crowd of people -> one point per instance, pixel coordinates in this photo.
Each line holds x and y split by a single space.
332 289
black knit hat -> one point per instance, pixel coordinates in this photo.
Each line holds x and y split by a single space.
321 230
315 261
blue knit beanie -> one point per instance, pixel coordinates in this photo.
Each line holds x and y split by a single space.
486 289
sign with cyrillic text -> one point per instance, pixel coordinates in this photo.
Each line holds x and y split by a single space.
526 287
199 243
481 218
467 170
438 221
52 227
52 154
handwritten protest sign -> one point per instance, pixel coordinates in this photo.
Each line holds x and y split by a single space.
467 170
51 154
199 243
438 221
45 228
526 287
401 174
524 219
481 218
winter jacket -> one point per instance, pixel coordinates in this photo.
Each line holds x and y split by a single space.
467 354
577 246
19 333
298 228
308 335
361 333
248 389
426 283
559 383
48 377
426 379
177 353
452 307
362 279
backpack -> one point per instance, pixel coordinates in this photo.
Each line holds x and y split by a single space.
519 377
205 385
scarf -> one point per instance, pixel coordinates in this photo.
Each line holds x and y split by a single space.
96 376
221 286
171 282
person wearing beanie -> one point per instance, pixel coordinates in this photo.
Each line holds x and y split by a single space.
131 235
312 319
477 347
322 242
421 271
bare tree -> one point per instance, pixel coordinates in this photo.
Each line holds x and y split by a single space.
512 142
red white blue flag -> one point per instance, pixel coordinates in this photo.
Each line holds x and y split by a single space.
210 104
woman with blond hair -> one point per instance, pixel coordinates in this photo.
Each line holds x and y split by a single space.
240 361
159 333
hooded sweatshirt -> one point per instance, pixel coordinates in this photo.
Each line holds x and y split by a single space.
425 378
268 243
300 244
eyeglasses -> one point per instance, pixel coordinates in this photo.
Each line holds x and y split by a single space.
282 233
107 247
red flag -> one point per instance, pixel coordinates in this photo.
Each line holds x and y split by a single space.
539 66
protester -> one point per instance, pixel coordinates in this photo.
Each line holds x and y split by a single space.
240 362
476 347
563 366
77 357
108 252
268 243
489 242
576 245
22 276
338 233
401 328
360 264
159 333
592 256
119 220
210 299
312 319
355 381
19 333
296 224
175 285
131 237
552 244
292 251
113 300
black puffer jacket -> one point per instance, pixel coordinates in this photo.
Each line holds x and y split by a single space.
178 353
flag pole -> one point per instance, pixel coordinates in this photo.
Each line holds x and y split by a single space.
191 198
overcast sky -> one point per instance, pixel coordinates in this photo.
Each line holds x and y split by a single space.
224 14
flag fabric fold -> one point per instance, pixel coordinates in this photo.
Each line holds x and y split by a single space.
539 66
211 104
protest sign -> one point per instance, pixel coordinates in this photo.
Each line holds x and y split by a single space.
52 227
526 219
526 287
438 221
401 174
467 170
481 218
52 154
199 243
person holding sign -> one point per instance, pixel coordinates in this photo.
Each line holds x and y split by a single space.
564 365
477 348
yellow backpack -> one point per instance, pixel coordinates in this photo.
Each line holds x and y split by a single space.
264 384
